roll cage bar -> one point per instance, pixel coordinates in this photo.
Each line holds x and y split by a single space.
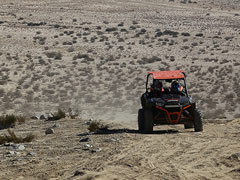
182 77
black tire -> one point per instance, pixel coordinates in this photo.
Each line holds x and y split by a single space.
140 120
188 126
148 121
143 103
197 120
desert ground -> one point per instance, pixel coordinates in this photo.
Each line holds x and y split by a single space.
120 152
93 57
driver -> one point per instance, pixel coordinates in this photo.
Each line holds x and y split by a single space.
157 88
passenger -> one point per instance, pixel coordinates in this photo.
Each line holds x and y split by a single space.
176 88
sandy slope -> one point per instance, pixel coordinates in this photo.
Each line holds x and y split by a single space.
93 56
170 153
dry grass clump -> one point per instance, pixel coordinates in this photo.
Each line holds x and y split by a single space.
8 121
185 34
199 35
152 59
96 126
2 92
111 29
13 138
60 114
41 40
83 56
70 49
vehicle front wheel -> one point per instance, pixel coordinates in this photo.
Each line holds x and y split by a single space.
197 120
148 121
188 126
140 120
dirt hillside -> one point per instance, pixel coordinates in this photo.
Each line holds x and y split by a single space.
93 56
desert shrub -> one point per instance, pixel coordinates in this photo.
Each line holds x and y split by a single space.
171 33
111 29
2 92
172 58
84 56
55 55
230 96
185 34
158 34
228 38
7 121
121 24
199 35
184 47
72 115
67 43
194 44
13 138
61 114
132 27
237 115
41 40
20 119
58 115
134 22
236 64
120 40
153 59
70 49
96 126
224 51
224 61
68 32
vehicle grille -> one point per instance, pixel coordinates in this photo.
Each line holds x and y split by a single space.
174 117
176 109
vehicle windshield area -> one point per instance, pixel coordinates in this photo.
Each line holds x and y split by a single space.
169 86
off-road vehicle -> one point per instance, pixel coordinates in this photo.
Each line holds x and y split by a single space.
164 106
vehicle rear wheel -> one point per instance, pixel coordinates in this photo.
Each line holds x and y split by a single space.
148 121
140 120
197 120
